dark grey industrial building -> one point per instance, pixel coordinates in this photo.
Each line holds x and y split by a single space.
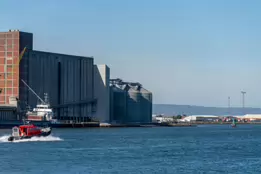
130 102
67 79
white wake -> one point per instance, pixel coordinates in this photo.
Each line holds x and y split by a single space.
4 139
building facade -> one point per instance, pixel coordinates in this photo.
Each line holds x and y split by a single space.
102 92
12 43
68 81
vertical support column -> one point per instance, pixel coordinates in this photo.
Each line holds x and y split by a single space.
228 105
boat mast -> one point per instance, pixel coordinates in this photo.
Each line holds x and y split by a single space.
33 91
46 98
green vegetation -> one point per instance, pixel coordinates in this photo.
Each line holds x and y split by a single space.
175 117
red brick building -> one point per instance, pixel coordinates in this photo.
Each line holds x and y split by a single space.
11 45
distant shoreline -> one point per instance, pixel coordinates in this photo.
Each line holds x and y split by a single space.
226 123
172 109
200 123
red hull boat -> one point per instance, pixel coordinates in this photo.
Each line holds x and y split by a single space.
28 131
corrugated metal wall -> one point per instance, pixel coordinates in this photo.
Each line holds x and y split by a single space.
8 113
67 80
118 104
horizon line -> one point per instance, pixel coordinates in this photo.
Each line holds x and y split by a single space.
238 107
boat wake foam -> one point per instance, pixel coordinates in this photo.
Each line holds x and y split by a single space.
4 139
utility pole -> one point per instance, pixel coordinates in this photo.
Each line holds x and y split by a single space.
228 105
243 101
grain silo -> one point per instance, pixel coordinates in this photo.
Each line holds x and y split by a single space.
139 104
134 104
118 98
146 106
130 102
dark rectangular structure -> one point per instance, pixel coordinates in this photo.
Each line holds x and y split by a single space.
8 113
67 79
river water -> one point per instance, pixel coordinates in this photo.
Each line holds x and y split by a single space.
202 149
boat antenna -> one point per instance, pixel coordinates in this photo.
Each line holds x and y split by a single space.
32 91
46 98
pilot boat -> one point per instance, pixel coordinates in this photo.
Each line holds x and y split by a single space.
28 131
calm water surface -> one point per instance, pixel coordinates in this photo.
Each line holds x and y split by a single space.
203 149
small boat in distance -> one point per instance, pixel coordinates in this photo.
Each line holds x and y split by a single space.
233 123
28 131
42 112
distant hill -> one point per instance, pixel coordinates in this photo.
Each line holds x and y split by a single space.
169 109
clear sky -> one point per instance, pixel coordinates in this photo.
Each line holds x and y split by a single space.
184 51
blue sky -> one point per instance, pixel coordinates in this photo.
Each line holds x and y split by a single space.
185 52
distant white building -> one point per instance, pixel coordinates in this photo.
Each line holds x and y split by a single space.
161 118
193 118
250 117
